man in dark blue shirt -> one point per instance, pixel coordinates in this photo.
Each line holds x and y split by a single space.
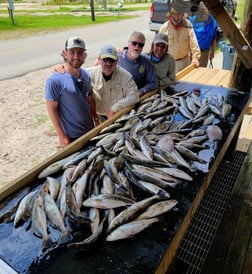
137 64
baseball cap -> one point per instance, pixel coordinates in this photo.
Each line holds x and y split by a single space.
74 42
108 52
161 38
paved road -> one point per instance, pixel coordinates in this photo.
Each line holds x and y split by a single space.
21 56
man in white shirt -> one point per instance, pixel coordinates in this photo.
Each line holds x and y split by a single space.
113 87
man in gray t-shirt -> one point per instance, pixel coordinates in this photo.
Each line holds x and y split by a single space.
67 95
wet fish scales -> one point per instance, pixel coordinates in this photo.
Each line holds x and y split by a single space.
130 229
56 166
157 209
131 212
106 201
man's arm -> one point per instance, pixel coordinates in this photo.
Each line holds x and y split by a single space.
52 108
129 93
212 49
170 77
194 48
93 109
151 81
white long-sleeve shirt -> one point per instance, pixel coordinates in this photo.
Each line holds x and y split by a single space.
118 92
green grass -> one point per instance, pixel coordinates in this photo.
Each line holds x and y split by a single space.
28 24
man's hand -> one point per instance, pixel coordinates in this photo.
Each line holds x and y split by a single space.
196 63
96 121
59 68
63 141
110 113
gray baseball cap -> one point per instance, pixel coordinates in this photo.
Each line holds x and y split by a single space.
160 38
75 42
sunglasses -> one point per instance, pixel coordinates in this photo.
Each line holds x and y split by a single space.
134 43
109 60
160 45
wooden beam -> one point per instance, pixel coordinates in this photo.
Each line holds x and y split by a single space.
185 71
231 31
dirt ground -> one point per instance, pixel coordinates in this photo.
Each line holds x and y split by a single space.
27 135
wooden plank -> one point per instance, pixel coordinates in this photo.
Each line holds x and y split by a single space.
238 249
207 75
193 76
185 71
245 136
247 133
215 77
248 263
243 145
220 78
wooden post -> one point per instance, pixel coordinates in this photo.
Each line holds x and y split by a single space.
241 78
231 31
92 10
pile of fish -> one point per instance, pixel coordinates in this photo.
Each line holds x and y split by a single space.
118 184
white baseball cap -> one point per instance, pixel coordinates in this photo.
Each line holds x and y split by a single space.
108 52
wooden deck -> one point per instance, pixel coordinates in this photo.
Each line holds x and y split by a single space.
215 77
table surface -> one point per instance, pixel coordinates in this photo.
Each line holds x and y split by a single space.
216 77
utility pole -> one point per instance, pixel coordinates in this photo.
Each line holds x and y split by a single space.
11 11
92 10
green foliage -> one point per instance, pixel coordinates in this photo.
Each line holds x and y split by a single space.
240 10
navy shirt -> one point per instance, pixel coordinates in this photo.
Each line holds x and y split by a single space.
141 70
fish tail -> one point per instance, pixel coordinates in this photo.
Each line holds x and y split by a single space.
65 238
47 243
